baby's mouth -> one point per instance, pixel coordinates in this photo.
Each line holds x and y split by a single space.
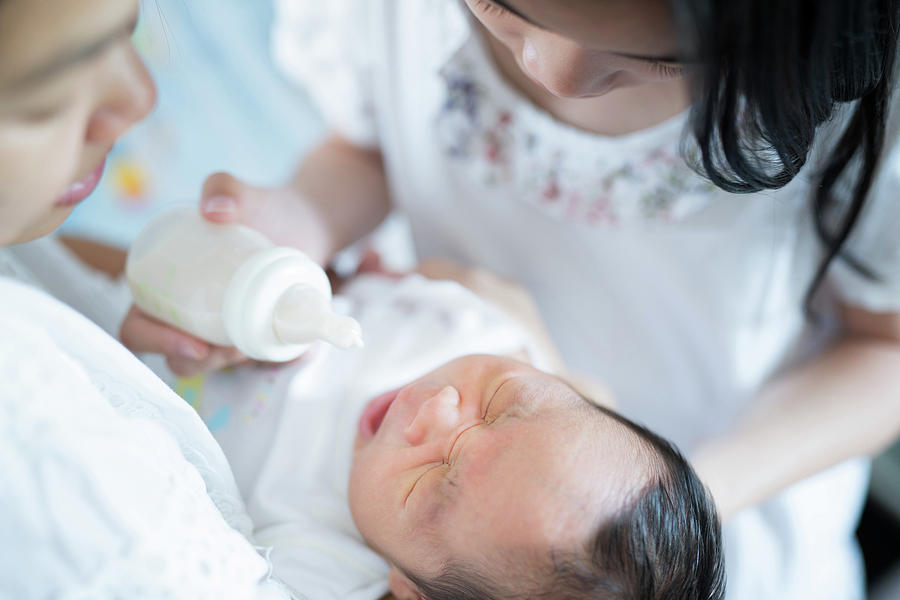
374 413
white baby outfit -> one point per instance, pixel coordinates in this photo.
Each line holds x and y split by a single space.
112 487
683 298
288 431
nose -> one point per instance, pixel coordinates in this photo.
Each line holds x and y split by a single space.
128 96
437 417
562 68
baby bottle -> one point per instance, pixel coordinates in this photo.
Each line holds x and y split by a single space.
231 286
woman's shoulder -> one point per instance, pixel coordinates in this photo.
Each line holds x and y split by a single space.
79 479
70 332
342 36
54 344
32 366
24 305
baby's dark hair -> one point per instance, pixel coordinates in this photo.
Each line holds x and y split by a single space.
664 544
770 73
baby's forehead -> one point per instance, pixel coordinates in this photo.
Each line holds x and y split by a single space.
540 484
541 395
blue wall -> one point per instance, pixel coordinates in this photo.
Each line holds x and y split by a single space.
222 106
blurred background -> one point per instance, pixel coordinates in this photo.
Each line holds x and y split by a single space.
224 107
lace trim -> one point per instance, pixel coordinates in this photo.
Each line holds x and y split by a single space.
130 403
503 142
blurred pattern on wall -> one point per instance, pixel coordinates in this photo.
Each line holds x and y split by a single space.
222 107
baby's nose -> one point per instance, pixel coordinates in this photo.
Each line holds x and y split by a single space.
437 416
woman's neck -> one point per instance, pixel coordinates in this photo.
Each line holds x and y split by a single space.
617 113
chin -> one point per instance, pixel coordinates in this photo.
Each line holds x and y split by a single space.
45 227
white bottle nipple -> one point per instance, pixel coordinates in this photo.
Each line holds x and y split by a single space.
303 315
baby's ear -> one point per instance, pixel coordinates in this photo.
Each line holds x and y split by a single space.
402 587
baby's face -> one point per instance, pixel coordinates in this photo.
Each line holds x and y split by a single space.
482 456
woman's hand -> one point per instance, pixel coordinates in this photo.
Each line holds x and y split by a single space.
511 298
337 195
185 355
514 300
274 211
280 213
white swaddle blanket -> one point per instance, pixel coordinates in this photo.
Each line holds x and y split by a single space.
288 431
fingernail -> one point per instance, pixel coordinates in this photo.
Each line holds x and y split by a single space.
220 205
449 396
190 350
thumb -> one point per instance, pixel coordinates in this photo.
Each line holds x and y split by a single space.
223 199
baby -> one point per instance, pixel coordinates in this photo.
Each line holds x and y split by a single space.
485 478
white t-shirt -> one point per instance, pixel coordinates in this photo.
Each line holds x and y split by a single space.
47 264
112 487
683 298
288 431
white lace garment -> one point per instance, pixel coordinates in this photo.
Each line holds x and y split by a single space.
112 487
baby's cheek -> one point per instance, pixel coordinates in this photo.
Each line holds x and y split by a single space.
368 491
357 481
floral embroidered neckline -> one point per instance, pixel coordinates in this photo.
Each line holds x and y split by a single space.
500 141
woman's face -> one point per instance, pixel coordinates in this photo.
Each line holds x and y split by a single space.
585 48
71 84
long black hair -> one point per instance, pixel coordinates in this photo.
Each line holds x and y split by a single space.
771 72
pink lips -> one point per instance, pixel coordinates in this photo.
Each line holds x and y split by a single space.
80 190
374 413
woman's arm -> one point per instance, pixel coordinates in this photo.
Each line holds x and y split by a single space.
101 257
842 404
338 195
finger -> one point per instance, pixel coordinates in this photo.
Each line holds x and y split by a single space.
435 268
305 357
220 201
371 263
140 333
183 367
228 356
218 359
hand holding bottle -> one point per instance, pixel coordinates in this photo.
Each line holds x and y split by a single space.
226 200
